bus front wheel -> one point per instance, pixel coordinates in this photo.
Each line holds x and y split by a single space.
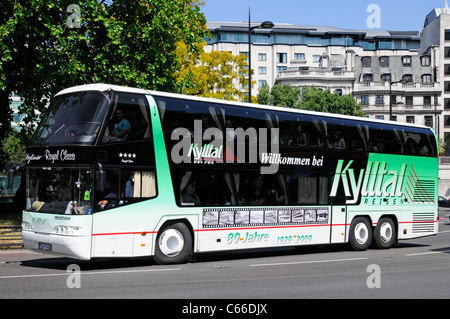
173 244
385 235
360 234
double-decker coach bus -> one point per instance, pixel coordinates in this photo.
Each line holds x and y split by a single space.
121 172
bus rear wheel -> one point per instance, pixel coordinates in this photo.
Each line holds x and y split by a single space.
384 234
173 244
360 234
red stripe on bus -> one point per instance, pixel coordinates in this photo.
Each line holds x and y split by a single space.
128 233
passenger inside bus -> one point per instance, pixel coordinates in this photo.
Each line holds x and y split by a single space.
189 196
300 139
257 198
338 142
121 125
111 192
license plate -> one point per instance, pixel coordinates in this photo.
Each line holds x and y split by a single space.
44 246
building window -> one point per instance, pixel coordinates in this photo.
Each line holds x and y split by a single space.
407 78
409 101
281 57
339 92
394 118
262 57
262 83
394 99
427 101
406 60
281 69
316 58
426 78
365 100
368 77
447 86
425 60
429 121
299 56
379 117
447 35
446 103
386 77
366 62
379 100
262 70
446 69
384 61
410 119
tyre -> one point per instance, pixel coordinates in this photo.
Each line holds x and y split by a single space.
360 234
385 235
173 244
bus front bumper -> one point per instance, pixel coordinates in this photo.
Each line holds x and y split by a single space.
78 247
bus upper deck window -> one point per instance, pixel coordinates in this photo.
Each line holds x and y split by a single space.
130 120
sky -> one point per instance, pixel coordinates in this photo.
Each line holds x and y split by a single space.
397 15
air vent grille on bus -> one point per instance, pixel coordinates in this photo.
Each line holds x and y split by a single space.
423 222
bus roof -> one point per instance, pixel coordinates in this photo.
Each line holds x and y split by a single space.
107 87
102 87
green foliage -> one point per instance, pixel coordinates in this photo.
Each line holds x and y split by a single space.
325 101
285 95
310 99
13 149
130 43
264 95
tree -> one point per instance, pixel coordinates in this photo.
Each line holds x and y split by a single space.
47 45
212 74
13 149
264 95
280 95
284 95
325 101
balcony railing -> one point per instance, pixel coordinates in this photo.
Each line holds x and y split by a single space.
403 108
372 85
317 74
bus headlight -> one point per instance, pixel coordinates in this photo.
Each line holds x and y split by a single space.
67 230
26 226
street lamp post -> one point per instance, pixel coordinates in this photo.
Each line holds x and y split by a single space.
264 25
390 97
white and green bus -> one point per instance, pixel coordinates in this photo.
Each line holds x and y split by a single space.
122 172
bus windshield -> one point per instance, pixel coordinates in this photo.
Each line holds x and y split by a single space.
59 190
73 118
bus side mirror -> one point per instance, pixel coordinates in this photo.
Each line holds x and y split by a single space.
13 167
100 178
10 178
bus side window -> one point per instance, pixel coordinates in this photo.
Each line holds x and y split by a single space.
140 184
134 118
124 187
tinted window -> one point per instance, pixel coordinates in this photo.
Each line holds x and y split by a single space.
179 114
73 118
301 130
391 139
129 119
209 187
